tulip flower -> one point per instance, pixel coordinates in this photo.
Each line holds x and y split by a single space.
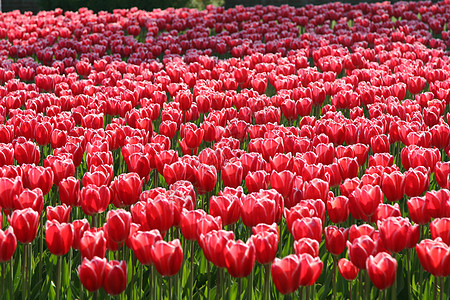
115 277
58 237
92 273
286 274
167 257
8 244
382 270
239 258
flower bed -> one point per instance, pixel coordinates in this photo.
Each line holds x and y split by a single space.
249 152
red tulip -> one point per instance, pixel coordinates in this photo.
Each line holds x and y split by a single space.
227 207
91 272
8 244
62 168
115 277
93 244
79 227
418 210
26 152
434 256
142 242
255 181
188 223
335 239
160 214
95 199
310 269
9 190
382 270
393 186
337 209
286 274
213 245
239 258
266 244
347 269
39 177
206 178
127 187
416 181
441 228
307 227
259 208
306 245
69 191
359 250
58 237
118 224
167 257
30 198
232 174
25 223
60 213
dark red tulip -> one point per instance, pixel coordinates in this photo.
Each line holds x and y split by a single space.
115 277
60 213
69 191
286 274
8 244
347 269
335 239
118 224
91 272
167 257
434 256
440 228
266 244
310 269
142 242
58 237
93 243
239 258
306 245
25 223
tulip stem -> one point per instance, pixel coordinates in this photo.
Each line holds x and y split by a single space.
3 280
367 285
191 273
394 286
306 292
219 284
58 277
208 284
334 276
442 281
250 285
435 287
24 272
408 260
239 288
267 281
41 244
11 278
360 284
170 287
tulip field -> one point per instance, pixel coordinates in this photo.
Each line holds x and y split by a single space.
250 153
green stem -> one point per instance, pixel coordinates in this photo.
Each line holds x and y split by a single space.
267 281
307 292
219 284
435 288
334 276
408 262
239 288
191 273
208 284
250 285
170 288
24 272
58 277
442 279
360 283
141 272
394 287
